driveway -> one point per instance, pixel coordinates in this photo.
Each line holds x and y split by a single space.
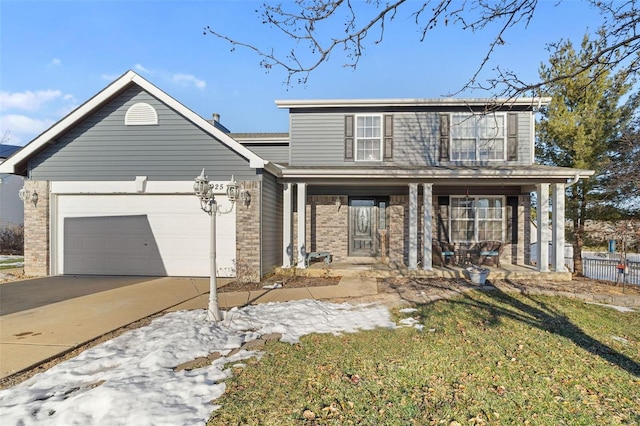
45 317
28 294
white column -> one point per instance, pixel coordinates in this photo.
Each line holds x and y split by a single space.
287 234
543 227
413 226
302 224
427 234
557 234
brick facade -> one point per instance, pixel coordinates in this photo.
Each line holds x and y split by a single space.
36 230
248 234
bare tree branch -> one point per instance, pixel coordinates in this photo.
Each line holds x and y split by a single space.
302 21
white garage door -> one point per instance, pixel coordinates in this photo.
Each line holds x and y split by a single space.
160 235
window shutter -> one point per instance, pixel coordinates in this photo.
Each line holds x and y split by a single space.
388 137
444 137
348 137
512 137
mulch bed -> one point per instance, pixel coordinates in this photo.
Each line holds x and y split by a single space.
286 282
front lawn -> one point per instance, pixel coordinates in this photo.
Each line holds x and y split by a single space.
482 358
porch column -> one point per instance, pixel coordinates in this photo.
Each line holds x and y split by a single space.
427 234
287 213
302 224
543 227
557 236
413 226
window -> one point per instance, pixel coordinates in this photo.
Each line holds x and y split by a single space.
478 137
369 138
477 219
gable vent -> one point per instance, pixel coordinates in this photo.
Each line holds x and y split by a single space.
141 114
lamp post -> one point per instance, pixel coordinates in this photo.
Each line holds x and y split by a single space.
204 191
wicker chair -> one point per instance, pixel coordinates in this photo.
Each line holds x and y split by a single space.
443 253
489 250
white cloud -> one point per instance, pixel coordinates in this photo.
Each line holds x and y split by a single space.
109 77
21 128
140 68
27 101
56 62
188 80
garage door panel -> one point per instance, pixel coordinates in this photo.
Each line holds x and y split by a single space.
140 235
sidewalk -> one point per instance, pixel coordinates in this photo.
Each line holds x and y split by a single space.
31 337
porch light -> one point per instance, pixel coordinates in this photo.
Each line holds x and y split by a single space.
26 195
338 203
204 191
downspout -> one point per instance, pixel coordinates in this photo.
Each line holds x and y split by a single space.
575 180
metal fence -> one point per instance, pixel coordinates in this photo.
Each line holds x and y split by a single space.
605 267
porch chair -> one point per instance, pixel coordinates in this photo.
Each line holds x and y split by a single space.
443 253
489 250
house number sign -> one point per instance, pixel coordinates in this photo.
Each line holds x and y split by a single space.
218 187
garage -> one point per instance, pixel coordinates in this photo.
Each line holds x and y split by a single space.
140 234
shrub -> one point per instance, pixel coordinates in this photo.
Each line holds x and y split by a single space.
12 239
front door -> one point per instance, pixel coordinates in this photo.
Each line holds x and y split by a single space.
362 227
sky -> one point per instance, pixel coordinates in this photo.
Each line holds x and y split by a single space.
130 380
55 55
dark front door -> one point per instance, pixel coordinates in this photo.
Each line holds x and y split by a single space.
362 227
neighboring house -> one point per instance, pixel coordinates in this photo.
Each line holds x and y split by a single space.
11 207
373 179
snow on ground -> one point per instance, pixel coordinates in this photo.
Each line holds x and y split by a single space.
4 258
130 379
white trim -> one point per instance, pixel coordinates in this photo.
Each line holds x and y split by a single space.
130 187
48 136
534 103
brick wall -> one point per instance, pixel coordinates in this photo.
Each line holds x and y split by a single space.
328 226
398 230
248 235
36 230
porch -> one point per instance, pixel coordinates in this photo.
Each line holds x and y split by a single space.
375 268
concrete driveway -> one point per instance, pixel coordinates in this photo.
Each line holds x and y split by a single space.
45 317
28 294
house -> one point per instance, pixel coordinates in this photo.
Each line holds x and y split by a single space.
387 177
11 207
360 179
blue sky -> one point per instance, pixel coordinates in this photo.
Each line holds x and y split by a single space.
57 54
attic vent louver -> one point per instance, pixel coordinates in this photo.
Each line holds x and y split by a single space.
141 114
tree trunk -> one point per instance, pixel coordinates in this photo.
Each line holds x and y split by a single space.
578 232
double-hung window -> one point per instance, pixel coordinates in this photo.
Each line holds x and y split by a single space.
478 137
368 138
476 219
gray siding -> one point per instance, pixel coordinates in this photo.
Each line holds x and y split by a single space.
271 218
274 153
317 139
11 206
103 148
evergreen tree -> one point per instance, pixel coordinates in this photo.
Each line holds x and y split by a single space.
580 128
